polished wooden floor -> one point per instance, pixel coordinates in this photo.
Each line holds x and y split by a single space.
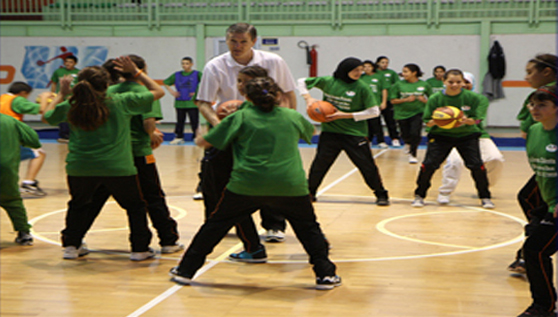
394 261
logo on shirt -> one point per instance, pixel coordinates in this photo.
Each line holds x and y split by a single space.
350 93
420 88
374 80
551 148
465 108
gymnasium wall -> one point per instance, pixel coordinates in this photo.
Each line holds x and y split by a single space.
20 55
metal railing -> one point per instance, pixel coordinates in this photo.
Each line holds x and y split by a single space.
155 13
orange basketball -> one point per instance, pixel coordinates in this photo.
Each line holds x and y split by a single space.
319 110
447 117
227 107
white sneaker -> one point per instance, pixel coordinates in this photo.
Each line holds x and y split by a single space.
418 202
166 249
407 148
275 236
443 199
177 142
71 252
395 143
487 203
413 159
383 145
197 196
140 256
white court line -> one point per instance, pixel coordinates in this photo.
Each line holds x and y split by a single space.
206 267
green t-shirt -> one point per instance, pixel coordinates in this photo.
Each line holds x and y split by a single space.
61 72
403 89
141 142
525 116
541 151
106 151
437 85
468 101
183 104
377 83
13 134
267 160
23 106
390 75
352 97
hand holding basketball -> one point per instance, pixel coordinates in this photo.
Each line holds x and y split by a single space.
320 111
226 108
447 117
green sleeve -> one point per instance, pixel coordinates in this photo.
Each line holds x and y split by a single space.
225 132
169 81
394 92
58 114
429 109
155 111
27 136
317 82
482 107
306 128
23 106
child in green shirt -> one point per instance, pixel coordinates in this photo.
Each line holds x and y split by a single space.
14 134
346 129
541 243
437 82
464 137
409 98
262 133
100 151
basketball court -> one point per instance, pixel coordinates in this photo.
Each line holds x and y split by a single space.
394 261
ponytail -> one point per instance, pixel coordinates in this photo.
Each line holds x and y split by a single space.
88 110
263 92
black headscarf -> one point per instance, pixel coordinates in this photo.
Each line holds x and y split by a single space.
343 69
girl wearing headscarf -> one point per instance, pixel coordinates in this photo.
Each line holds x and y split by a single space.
346 129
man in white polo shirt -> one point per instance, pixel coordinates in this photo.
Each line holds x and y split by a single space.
218 83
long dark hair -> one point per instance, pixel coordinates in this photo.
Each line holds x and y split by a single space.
263 92
115 75
88 110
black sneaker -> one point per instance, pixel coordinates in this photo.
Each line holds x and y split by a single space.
382 201
258 256
32 189
24 238
518 266
178 277
533 311
327 282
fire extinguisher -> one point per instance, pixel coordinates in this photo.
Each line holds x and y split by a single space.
314 59
311 57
